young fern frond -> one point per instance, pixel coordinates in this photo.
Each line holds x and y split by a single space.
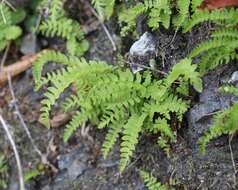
152 183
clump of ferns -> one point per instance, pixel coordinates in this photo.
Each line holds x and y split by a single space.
56 23
127 105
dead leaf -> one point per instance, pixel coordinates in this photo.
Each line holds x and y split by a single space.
217 4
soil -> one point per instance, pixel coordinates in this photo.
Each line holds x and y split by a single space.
79 162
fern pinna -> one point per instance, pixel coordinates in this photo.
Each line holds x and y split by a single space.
8 24
114 98
57 24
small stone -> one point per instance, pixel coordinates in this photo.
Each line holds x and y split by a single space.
145 46
234 77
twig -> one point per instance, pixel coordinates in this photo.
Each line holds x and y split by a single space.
19 166
17 111
232 158
104 27
10 5
4 57
17 68
43 157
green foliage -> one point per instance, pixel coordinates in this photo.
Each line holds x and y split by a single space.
158 12
104 8
221 48
59 25
224 122
113 98
227 16
8 24
3 172
152 183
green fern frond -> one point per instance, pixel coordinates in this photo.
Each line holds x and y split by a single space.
51 56
214 43
186 69
151 182
183 9
70 102
111 137
130 138
225 33
230 15
53 93
160 13
104 8
59 25
195 4
8 24
77 120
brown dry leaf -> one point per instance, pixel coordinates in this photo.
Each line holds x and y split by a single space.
59 120
217 4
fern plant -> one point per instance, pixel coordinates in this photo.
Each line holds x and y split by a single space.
57 24
224 122
113 98
8 24
152 183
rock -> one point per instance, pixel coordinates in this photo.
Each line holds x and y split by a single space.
234 78
29 44
142 51
145 46
74 163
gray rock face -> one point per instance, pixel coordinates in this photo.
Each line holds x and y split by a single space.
214 169
29 44
210 101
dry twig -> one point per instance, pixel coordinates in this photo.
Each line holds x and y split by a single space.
104 28
43 157
12 142
16 68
